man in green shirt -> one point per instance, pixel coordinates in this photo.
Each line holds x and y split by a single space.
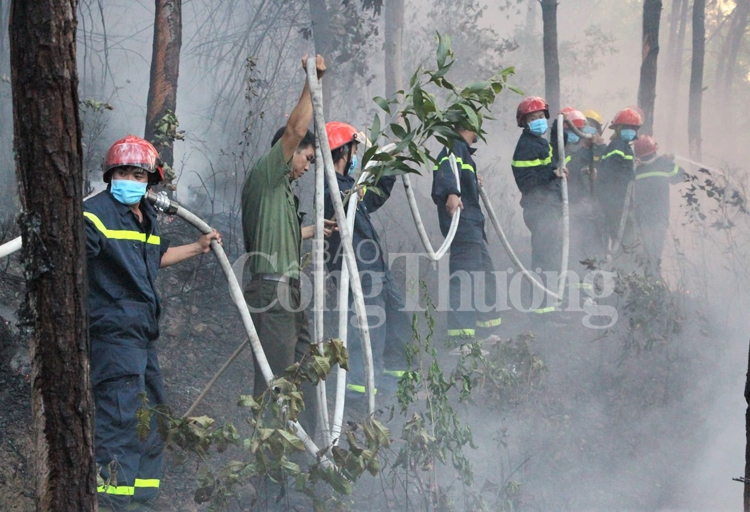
273 235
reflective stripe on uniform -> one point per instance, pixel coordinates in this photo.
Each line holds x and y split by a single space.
550 309
460 162
394 373
121 234
617 152
490 323
359 389
582 286
461 332
533 163
568 159
659 174
129 490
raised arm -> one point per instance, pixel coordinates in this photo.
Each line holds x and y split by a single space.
299 119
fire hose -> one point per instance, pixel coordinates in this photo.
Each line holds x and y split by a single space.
163 203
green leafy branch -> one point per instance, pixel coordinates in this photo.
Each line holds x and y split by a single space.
421 117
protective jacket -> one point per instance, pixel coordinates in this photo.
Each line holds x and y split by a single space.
616 169
652 182
471 224
534 169
123 258
365 240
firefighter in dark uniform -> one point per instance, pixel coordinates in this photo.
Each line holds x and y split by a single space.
124 252
468 253
538 178
580 154
653 176
390 326
616 173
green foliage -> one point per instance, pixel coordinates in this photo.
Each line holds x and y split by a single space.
505 372
272 450
652 314
422 118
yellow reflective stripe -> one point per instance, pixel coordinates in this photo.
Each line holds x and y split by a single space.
122 490
394 373
121 234
148 482
550 309
460 162
582 286
617 152
359 389
659 174
490 323
533 163
567 159
461 332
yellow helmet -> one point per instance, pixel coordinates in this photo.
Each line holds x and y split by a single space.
593 114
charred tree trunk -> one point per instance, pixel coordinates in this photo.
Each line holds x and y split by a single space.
677 29
394 35
162 90
746 496
551 60
650 54
696 78
49 170
322 38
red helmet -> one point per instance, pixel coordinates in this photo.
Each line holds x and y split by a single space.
574 116
134 152
645 145
529 105
340 134
628 115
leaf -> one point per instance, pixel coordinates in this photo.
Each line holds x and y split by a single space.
443 49
375 130
382 103
398 130
291 439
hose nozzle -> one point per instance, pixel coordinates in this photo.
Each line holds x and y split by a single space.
161 202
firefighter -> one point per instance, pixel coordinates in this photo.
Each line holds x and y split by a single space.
580 153
273 232
124 251
470 260
538 178
593 122
653 176
390 325
616 173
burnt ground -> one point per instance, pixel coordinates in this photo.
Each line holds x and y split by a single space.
611 423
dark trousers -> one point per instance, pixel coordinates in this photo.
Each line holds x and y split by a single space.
390 331
544 220
130 467
586 234
285 336
470 265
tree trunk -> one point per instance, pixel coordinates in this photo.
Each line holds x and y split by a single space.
394 34
677 29
746 493
53 318
696 78
732 46
551 61
165 70
322 38
650 53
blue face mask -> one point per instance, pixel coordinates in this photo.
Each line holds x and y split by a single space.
538 126
589 129
128 192
573 138
627 135
353 165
